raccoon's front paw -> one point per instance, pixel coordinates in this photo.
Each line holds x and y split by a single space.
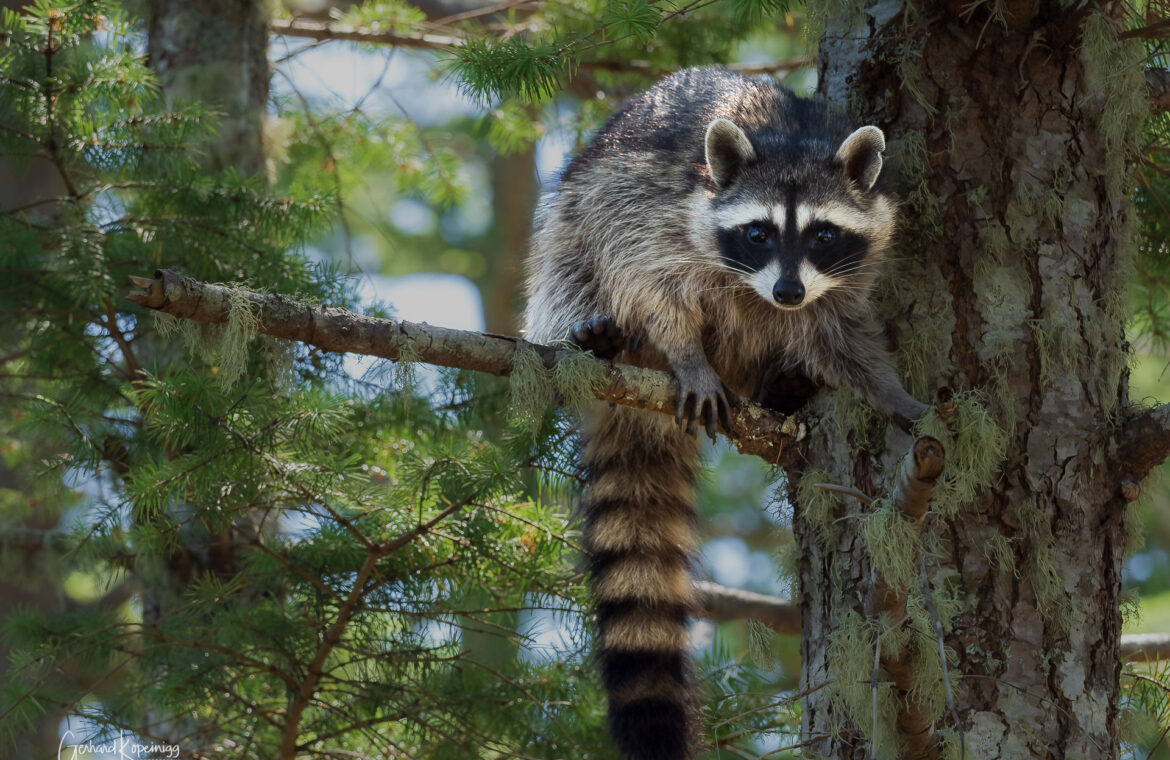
702 398
599 334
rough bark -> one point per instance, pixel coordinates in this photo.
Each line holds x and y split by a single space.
1010 123
215 52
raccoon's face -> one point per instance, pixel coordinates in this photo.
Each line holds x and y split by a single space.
796 230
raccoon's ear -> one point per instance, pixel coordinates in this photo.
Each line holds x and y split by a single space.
861 153
728 149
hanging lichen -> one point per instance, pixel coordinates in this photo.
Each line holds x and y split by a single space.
1113 73
532 388
1042 566
928 684
406 366
851 656
821 12
975 446
279 362
818 507
243 324
893 544
923 218
577 375
226 345
864 426
762 642
998 551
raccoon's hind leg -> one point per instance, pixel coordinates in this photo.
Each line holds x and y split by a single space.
600 334
785 388
639 532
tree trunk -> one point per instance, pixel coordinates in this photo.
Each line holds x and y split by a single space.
215 52
212 53
513 196
1011 124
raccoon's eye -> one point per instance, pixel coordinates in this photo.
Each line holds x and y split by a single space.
756 234
826 236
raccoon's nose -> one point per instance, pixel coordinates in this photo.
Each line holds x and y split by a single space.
788 292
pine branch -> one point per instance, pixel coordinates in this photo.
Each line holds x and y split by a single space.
754 429
1143 443
722 604
320 32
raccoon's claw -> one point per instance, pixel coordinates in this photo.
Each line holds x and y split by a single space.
599 334
702 399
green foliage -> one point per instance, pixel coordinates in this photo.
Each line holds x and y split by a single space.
566 37
752 12
530 71
633 17
1145 708
741 704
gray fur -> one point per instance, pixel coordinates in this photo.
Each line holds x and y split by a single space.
630 233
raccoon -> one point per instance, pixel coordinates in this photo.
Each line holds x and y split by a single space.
717 227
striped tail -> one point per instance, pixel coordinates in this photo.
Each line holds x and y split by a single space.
639 532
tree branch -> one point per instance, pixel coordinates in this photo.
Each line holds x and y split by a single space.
314 30
1153 30
1144 442
723 604
1145 646
1158 86
911 496
754 429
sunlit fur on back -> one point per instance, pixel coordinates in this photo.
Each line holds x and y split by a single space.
725 225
